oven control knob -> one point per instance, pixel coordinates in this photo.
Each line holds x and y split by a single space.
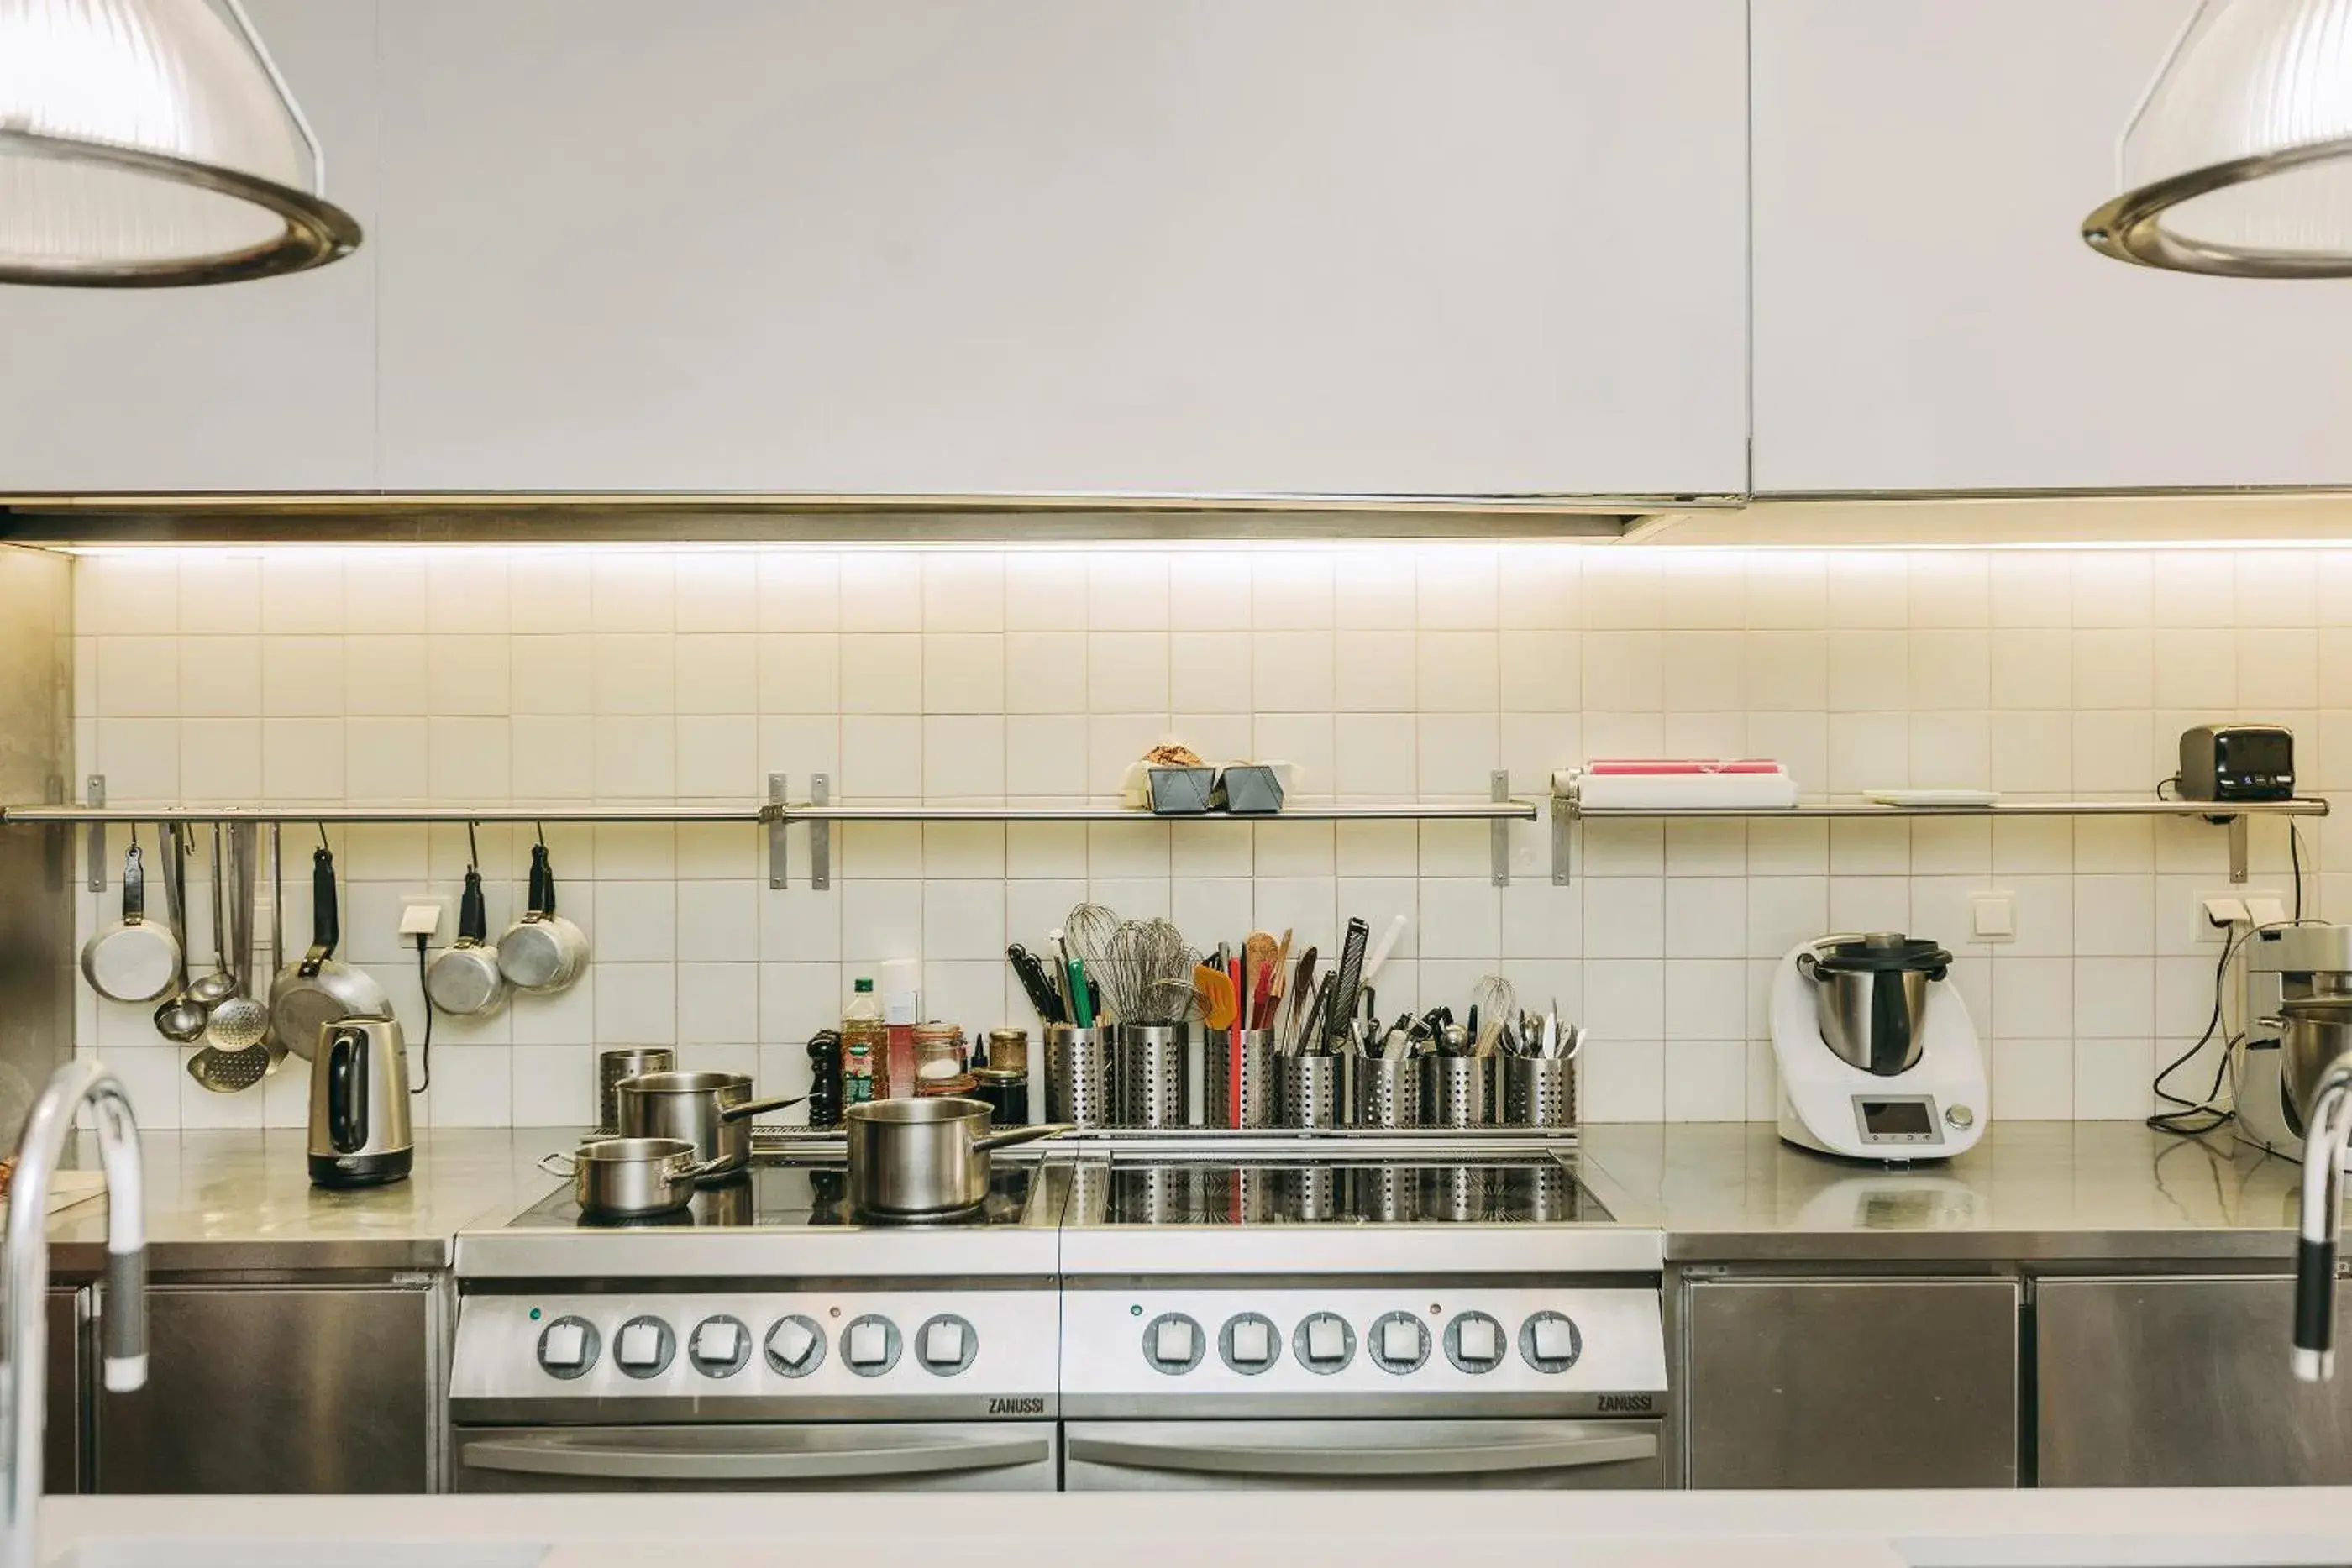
1324 1342
1551 1342
1475 1342
1173 1344
795 1346
1399 1344
870 1345
1250 1342
946 1345
567 1347
719 1347
644 1347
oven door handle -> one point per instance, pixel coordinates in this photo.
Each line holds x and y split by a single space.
1284 1459
554 1454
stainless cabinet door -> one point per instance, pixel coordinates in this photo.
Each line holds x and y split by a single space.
1385 1456
844 1456
69 1382
2182 1382
261 1388
1887 1382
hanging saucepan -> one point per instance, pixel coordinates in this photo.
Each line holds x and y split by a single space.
543 951
135 960
919 1159
319 989
630 1179
464 977
711 1111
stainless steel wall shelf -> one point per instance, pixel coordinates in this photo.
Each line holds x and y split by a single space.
2232 815
819 812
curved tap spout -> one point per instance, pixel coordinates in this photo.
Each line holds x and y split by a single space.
2329 1125
26 1258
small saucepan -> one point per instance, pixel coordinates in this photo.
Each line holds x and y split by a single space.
711 1111
919 1159
135 960
630 1179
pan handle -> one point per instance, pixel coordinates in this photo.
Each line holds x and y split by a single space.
757 1108
1022 1135
571 1164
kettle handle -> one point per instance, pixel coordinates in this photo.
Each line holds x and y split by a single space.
346 1107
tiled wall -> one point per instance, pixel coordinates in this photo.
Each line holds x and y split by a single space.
491 676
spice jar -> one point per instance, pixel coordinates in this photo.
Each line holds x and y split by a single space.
938 1061
1008 1050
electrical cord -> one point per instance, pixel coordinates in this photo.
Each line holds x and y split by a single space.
425 1081
2193 1118
2294 859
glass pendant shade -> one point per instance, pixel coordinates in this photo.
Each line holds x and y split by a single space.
147 143
2239 160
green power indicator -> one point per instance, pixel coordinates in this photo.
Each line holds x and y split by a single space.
1135 1312
534 1314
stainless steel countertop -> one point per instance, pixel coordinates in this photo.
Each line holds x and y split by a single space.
2029 1191
243 1201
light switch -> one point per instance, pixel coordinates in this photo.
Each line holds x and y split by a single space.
1555 1340
717 1342
1253 1341
1993 916
1327 1339
564 1346
1174 1341
792 1342
1480 1339
869 1344
640 1345
1400 1340
943 1343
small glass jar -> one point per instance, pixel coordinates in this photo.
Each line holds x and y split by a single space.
1008 1050
939 1058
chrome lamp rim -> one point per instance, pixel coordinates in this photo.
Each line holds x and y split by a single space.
2130 228
316 231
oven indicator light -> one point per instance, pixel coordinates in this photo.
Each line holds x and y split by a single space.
534 1314
1135 1312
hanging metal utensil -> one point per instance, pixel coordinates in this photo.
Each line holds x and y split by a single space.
180 1017
134 958
235 1055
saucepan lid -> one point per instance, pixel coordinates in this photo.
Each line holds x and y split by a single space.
1880 953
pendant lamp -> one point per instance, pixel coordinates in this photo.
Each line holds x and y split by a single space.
2238 161
150 143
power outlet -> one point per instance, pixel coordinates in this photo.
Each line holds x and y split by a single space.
422 916
2207 932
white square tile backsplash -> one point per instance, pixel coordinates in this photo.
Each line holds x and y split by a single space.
450 675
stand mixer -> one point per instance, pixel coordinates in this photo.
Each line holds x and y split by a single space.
1879 1059
2283 964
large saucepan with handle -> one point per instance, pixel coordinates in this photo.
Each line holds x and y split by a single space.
919 1160
711 1111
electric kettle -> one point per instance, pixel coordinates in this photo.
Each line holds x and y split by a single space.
359 1104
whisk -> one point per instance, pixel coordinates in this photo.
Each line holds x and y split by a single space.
1493 1001
1089 930
1151 973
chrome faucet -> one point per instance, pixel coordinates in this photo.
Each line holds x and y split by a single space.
2328 1128
22 1383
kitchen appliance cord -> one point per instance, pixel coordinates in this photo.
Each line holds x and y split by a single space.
2195 1118
425 1081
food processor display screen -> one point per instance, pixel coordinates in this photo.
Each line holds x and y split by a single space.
1896 1119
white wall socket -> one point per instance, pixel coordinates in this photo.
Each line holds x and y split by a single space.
2207 932
422 917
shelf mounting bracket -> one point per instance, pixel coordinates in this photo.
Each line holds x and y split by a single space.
1563 828
820 834
94 794
2238 835
1499 832
779 871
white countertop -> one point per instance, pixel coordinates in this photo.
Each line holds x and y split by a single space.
2153 1528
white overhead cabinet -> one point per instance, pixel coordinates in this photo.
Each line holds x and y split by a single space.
265 386
1112 247
1927 316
